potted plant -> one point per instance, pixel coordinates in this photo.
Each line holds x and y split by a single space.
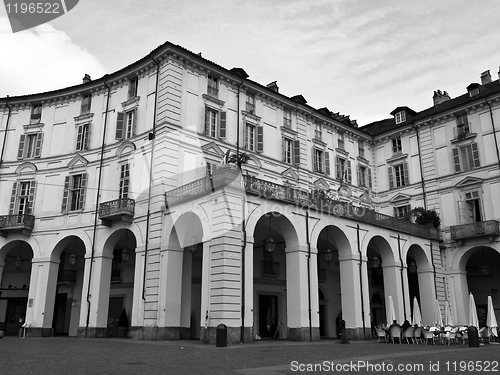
426 217
123 324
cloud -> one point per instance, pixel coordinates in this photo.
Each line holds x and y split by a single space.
42 59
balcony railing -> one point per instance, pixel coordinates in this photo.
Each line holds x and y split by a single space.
269 268
482 228
118 209
17 222
66 276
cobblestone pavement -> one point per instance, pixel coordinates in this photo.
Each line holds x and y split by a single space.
122 356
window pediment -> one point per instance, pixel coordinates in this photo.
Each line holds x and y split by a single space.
83 118
251 116
125 149
400 198
131 104
469 181
289 173
213 102
78 162
396 158
26 168
212 149
321 183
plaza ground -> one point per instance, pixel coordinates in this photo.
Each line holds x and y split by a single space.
62 355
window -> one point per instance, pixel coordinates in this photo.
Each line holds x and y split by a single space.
211 168
132 87
250 104
470 209
215 123
22 198
30 146
463 127
341 141
361 148
86 103
398 175
124 181
291 151
212 87
321 161
250 137
396 145
402 212
400 117
364 176
317 132
466 158
74 192
82 137
287 118
36 114
125 124
343 172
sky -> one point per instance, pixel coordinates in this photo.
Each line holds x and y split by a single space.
362 58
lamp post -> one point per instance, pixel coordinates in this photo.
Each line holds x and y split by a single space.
72 260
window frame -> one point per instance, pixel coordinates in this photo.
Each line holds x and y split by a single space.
402 211
133 86
466 161
287 118
124 185
400 117
86 104
74 196
341 140
393 182
212 86
82 136
218 128
30 145
250 103
397 145
126 129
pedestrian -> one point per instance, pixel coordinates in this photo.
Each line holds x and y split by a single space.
338 325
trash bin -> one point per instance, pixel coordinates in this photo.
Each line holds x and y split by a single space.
221 336
473 336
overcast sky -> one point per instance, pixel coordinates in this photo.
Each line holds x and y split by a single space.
361 58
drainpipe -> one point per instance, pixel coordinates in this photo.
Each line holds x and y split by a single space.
238 127
421 166
494 132
309 273
434 270
6 129
402 269
361 283
96 212
152 137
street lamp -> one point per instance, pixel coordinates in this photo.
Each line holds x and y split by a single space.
375 262
412 267
18 263
72 260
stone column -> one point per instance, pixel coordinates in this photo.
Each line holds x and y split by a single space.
137 320
41 297
460 297
249 335
205 290
298 294
355 296
427 294
394 288
187 268
97 315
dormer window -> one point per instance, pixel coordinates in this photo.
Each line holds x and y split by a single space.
400 117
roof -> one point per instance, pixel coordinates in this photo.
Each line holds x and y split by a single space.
383 126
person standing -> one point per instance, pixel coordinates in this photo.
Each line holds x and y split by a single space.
338 325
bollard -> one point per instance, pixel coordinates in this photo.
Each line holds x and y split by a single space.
221 336
473 336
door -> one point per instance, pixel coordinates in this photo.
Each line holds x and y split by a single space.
268 315
59 320
114 311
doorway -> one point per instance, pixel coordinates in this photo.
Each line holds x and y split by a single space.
60 322
114 311
268 316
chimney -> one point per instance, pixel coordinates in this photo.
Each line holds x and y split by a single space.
273 86
440 97
86 78
485 77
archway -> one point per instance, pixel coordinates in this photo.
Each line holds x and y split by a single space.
16 258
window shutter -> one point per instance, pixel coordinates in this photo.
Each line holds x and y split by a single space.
360 176
119 125
396 212
369 177
13 198
338 174
456 160
79 139
315 161
134 123
20 152
64 207
391 178
207 125
463 212
81 202
296 152
327 162
405 174
283 149
475 155
349 172
260 139
222 125
31 197
38 144
86 140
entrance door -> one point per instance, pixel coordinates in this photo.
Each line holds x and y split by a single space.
114 311
268 315
59 320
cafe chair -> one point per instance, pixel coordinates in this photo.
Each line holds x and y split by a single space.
417 335
408 334
395 333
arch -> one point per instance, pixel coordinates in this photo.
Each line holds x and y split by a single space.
63 239
331 234
13 243
115 237
280 224
380 245
26 168
284 225
187 230
125 149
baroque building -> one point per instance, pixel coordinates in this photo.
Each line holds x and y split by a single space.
187 195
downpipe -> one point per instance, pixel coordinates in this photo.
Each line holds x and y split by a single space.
361 282
402 269
309 274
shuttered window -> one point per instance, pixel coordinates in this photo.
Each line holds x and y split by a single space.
30 146
22 198
466 158
82 137
402 212
343 171
74 192
125 124
398 175
364 176
124 181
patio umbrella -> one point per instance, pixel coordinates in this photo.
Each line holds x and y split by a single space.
447 317
391 314
438 318
473 321
417 315
491 319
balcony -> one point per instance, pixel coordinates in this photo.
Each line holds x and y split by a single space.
16 223
268 268
489 228
66 277
120 209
